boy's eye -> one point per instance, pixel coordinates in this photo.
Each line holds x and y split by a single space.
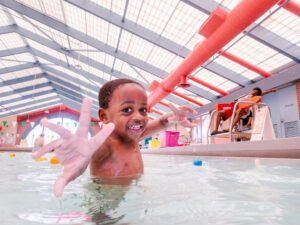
143 110
127 110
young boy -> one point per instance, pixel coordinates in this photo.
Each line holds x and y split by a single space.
114 151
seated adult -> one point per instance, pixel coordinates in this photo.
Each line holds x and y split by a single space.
226 113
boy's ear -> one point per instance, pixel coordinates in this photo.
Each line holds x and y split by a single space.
102 115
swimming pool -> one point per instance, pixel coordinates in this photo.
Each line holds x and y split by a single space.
172 191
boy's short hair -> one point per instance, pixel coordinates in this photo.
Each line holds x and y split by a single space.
108 88
259 91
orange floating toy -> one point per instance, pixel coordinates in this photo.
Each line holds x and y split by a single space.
12 155
54 160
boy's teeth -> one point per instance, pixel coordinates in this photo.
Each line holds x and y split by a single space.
135 127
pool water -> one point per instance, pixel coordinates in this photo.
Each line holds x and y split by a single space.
172 191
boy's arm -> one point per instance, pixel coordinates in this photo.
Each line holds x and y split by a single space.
177 115
267 92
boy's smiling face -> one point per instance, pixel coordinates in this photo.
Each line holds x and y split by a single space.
128 111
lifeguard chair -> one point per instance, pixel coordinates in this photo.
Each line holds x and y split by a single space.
261 129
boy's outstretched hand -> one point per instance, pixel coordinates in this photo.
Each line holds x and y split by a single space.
74 151
180 115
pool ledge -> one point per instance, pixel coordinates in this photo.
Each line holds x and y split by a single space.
279 148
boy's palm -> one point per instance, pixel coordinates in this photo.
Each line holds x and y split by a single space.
180 115
74 151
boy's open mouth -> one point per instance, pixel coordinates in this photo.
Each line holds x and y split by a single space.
136 128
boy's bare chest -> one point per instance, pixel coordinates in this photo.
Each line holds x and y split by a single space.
119 163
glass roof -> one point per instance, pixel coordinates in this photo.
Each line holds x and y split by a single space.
75 49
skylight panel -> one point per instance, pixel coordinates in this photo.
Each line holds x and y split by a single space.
20 73
194 40
250 75
47 50
193 83
50 103
9 61
285 24
133 10
4 21
251 50
227 86
21 22
35 90
160 57
53 8
274 62
213 78
230 64
155 14
12 40
99 73
184 23
29 83
115 6
138 47
102 30
41 98
192 95
125 41
118 65
148 76
230 4
35 4
173 64
126 69
24 57
75 17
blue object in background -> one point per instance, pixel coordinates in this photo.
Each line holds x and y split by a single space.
197 163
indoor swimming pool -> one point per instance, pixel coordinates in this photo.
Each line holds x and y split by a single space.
172 191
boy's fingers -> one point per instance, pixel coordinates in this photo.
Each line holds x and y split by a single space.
64 133
189 109
60 184
85 117
172 107
47 148
101 136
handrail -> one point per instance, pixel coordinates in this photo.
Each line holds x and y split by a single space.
233 113
234 110
211 116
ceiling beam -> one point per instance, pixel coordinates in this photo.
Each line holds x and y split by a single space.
260 33
55 24
30 109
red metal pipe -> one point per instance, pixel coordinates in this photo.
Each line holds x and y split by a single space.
291 6
156 111
245 63
187 98
209 86
163 103
244 14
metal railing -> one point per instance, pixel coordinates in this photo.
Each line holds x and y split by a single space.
232 117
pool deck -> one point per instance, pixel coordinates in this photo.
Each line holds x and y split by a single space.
15 149
279 148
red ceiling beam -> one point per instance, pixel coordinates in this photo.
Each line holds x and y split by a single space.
220 28
209 86
156 111
187 98
244 63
